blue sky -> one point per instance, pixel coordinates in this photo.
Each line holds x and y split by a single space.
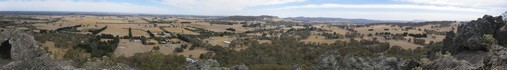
368 9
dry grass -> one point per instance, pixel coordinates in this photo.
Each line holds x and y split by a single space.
336 29
181 31
218 40
127 48
264 41
219 27
318 39
56 53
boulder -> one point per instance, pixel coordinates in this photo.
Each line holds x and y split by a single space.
447 62
211 64
497 58
26 54
332 60
469 36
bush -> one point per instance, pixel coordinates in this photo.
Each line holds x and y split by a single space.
156 48
488 40
419 41
179 49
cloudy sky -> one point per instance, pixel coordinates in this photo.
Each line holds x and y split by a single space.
368 9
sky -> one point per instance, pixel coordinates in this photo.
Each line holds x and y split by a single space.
460 10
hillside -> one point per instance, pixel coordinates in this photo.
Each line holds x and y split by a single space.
336 20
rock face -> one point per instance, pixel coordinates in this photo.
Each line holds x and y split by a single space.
498 58
465 50
447 62
333 61
470 35
211 64
104 63
26 54
469 50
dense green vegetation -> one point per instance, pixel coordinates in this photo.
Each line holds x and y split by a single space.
286 51
99 48
69 29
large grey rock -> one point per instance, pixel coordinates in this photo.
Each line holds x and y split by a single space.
470 35
447 62
211 64
26 54
501 34
104 63
24 46
497 58
240 67
333 61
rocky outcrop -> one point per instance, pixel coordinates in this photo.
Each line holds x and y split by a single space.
447 62
469 46
470 35
469 49
211 64
26 54
497 58
105 63
334 61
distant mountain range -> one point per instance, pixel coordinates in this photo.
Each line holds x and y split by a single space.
239 18
343 20
99 14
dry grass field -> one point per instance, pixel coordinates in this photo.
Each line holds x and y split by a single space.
180 31
219 27
219 40
336 29
56 53
318 39
119 26
264 41
127 48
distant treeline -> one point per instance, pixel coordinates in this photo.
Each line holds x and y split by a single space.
70 28
96 31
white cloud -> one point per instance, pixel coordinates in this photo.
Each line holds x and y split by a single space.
78 5
387 6
470 3
222 5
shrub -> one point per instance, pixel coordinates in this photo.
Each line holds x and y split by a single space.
419 41
488 40
156 48
179 49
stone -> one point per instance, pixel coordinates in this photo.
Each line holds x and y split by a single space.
469 36
26 54
333 61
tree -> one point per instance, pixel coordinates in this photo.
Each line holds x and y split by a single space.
151 34
130 32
